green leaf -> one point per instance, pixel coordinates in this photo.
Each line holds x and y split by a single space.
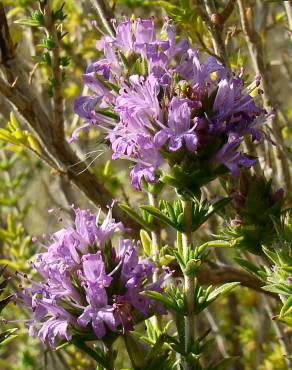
5 301
272 255
3 285
192 267
146 242
159 215
7 336
214 243
287 306
135 216
277 288
286 320
248 266
156 349
107 113
28 22
222 290
162 299
136 351
217 206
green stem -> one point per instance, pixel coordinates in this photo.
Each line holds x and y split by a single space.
189 281
155 247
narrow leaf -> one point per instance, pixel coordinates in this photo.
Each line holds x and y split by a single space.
159 215
287 306
222 290
135 216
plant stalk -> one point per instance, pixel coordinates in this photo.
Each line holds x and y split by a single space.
155 246
189 281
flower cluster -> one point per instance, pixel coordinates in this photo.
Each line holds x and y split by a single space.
88 285
159 104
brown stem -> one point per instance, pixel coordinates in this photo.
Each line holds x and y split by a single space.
235 324
227 11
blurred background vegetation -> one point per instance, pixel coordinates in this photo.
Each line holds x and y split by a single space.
256 35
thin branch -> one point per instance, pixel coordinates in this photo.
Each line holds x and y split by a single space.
216 332
218 273
58 109
227 11
208 14
234 326
103 13
203 44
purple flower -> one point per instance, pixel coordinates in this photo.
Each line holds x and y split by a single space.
232 159
81 288
178 130
85 106
100 319
53 328
145 31
94 270
140 98
199 74
107 228
125 36
167 100
233 103
149 161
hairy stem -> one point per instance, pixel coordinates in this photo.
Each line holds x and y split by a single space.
189 281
